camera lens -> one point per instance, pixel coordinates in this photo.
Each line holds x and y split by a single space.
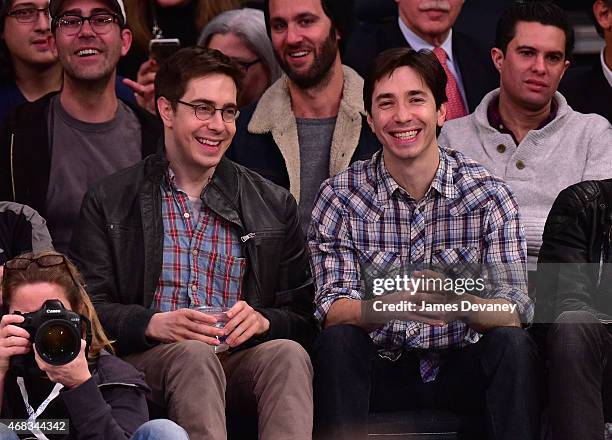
57 342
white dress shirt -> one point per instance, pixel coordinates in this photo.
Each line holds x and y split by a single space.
606 70
417 43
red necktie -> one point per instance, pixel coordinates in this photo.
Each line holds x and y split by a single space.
455 108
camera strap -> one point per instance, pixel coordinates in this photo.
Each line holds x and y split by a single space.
33 414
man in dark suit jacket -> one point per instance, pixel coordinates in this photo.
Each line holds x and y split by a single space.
427 24
590 91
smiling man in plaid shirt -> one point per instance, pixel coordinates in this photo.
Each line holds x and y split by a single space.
420 205
185 228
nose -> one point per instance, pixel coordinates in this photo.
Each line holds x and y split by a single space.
86 29
294 36
43 21
216 123
403 113
539 64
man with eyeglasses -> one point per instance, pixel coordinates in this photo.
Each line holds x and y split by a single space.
28 67
188 228
310 124
53 149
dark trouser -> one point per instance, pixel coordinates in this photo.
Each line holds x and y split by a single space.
494 381
580 376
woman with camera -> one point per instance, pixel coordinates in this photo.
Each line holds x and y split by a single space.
58 378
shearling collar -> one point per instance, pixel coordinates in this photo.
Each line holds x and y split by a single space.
274 115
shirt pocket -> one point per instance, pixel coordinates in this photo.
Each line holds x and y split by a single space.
454 262
220 278
375 265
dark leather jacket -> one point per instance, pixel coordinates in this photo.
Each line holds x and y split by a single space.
117 245
573 269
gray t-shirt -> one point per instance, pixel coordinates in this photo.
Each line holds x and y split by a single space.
81 154
315 138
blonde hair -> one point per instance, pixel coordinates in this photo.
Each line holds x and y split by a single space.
140 20
69 279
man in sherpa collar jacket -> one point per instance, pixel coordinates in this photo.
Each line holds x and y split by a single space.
310 124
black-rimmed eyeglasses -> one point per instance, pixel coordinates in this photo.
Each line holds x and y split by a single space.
28 15
71 24
206 111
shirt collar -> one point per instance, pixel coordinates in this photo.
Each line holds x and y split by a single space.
417 43
442 182
169 180
388 185
495 119
606 70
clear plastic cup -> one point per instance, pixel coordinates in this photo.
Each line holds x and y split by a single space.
220 313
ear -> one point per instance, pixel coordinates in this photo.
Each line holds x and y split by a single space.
441 115
566 65
370 121
53 45
498 58
603 15
166 112
126 41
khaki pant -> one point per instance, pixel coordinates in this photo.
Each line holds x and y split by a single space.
272 380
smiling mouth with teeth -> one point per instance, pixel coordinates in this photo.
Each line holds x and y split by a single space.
205 141
299 54
87 52
406 134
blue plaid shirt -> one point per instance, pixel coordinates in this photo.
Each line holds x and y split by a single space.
203 262
363 218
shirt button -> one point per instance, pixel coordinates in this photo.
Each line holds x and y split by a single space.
186 215
194 252
520 164
194 287
501 148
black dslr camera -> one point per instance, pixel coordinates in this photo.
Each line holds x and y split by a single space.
57 335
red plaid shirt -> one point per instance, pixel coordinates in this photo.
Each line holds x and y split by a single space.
203 263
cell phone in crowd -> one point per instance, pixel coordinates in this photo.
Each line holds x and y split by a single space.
162 48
